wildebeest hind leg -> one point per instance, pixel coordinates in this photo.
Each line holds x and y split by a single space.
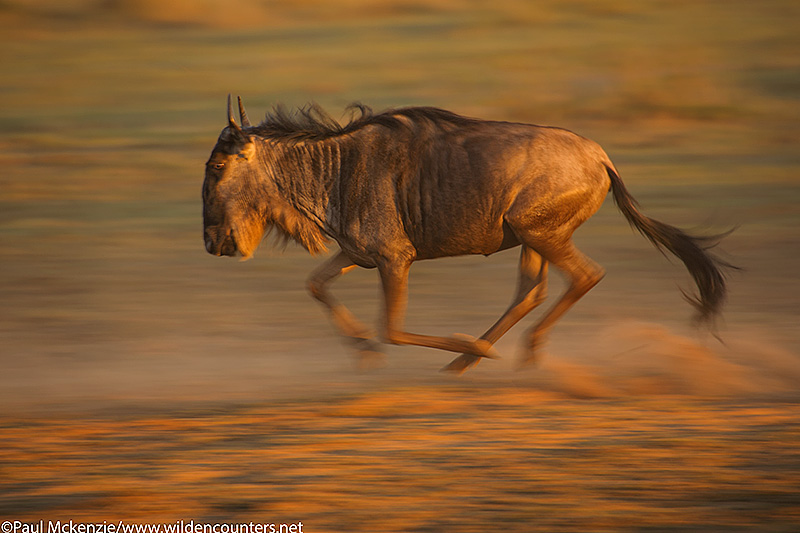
531 291
582 273
368 351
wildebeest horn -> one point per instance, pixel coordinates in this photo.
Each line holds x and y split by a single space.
231 120
243 114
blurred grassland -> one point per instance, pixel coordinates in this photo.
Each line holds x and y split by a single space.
140 70
119 100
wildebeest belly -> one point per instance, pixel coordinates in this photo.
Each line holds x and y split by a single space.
463 229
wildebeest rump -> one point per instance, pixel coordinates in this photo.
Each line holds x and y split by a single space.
421 183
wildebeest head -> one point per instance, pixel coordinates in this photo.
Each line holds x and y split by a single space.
233 219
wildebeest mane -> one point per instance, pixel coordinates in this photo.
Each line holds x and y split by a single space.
312 123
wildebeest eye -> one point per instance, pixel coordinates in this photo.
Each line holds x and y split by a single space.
217 166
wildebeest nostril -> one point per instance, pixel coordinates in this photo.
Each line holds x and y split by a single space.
209 238
228 246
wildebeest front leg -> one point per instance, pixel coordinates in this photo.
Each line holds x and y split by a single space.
531 291
394 277
368 350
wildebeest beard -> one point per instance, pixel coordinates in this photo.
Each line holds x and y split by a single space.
287 225
280 225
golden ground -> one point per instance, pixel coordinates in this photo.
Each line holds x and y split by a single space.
452 458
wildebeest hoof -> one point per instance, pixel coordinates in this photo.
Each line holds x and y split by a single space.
531 355
461 363
368 354
364 344
479 347
528 361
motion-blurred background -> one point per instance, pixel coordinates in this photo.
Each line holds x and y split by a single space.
109 109
143 380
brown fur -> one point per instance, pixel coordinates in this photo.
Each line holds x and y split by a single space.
421 183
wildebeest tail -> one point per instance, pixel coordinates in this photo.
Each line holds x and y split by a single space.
706 269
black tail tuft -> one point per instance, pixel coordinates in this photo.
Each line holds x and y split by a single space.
706 269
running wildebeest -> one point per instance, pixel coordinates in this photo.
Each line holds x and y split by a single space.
421 183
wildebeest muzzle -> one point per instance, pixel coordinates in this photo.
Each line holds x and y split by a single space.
219 243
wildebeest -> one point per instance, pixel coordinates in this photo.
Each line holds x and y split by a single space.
421 183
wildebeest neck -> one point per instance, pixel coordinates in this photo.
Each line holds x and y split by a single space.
303 175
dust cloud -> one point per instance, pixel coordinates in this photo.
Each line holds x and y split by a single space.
633 358
625 359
